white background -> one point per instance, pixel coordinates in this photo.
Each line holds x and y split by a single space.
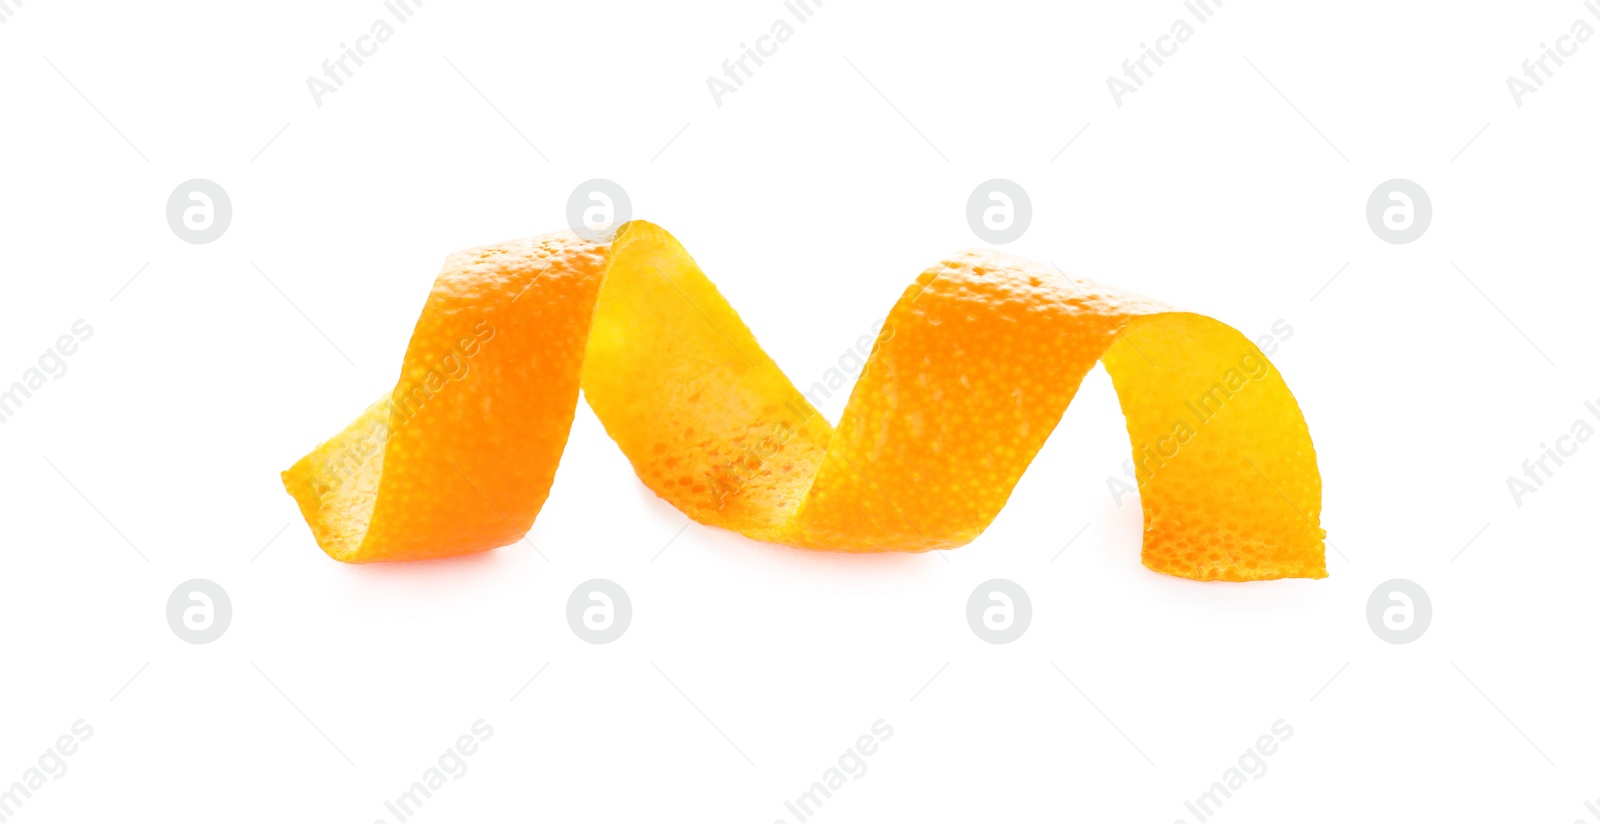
812 196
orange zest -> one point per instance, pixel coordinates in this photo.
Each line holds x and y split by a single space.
974 368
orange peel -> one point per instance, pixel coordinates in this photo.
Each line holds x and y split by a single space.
975 366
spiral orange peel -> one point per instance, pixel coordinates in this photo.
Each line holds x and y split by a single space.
973 369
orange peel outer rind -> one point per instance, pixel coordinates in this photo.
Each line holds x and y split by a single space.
974 367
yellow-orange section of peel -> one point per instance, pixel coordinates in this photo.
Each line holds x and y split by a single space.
972 371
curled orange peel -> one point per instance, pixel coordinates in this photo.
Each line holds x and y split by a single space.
973 369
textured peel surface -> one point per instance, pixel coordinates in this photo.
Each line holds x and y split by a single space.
973 369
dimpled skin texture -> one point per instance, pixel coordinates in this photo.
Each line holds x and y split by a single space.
972 371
